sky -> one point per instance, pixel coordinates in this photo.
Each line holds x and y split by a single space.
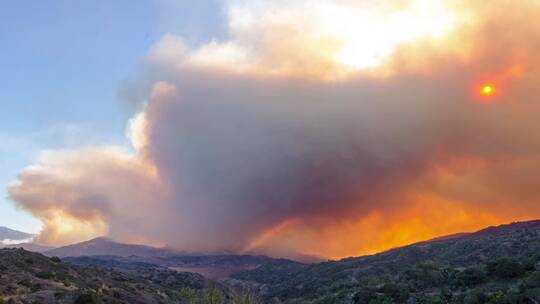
327 128
63 66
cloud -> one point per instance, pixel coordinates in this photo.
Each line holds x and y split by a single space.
7 242
271 142
81 194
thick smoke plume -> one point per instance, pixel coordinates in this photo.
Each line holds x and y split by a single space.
274 142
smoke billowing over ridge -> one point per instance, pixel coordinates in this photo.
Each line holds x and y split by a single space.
278 141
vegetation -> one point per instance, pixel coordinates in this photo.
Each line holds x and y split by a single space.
495 282
218 296
27 277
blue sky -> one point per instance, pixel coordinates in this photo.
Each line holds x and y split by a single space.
62 66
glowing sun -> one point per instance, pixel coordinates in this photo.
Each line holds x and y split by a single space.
487 90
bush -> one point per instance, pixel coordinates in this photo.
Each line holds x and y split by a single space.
88 297
211 296
532 295
44 275
397 292
56 259
247 296
365 295
424 275
476 296
532 281
505 269
187 294
470 277
35 287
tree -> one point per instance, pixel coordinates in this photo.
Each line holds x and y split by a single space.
505 268
399 293
211 296
88 297
365 296
470 277
246 296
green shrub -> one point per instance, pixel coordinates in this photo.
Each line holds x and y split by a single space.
365 295
187 294
88 297
56 259
210 296
246 296
35 287
470 277
505 269
399 293
45 275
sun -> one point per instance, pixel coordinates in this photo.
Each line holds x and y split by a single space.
487 90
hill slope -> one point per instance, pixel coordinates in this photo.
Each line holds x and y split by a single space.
27 277
494 265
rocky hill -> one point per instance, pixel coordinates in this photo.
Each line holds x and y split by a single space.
27 277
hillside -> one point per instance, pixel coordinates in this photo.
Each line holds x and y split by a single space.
27 277
494 265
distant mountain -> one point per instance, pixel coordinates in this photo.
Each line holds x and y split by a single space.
10 236
105 253
105 247
494 265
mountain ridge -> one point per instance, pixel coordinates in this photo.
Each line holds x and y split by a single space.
103 246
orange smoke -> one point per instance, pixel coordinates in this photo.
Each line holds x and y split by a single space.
380 230
422 212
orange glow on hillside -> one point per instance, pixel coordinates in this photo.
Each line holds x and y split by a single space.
426 217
